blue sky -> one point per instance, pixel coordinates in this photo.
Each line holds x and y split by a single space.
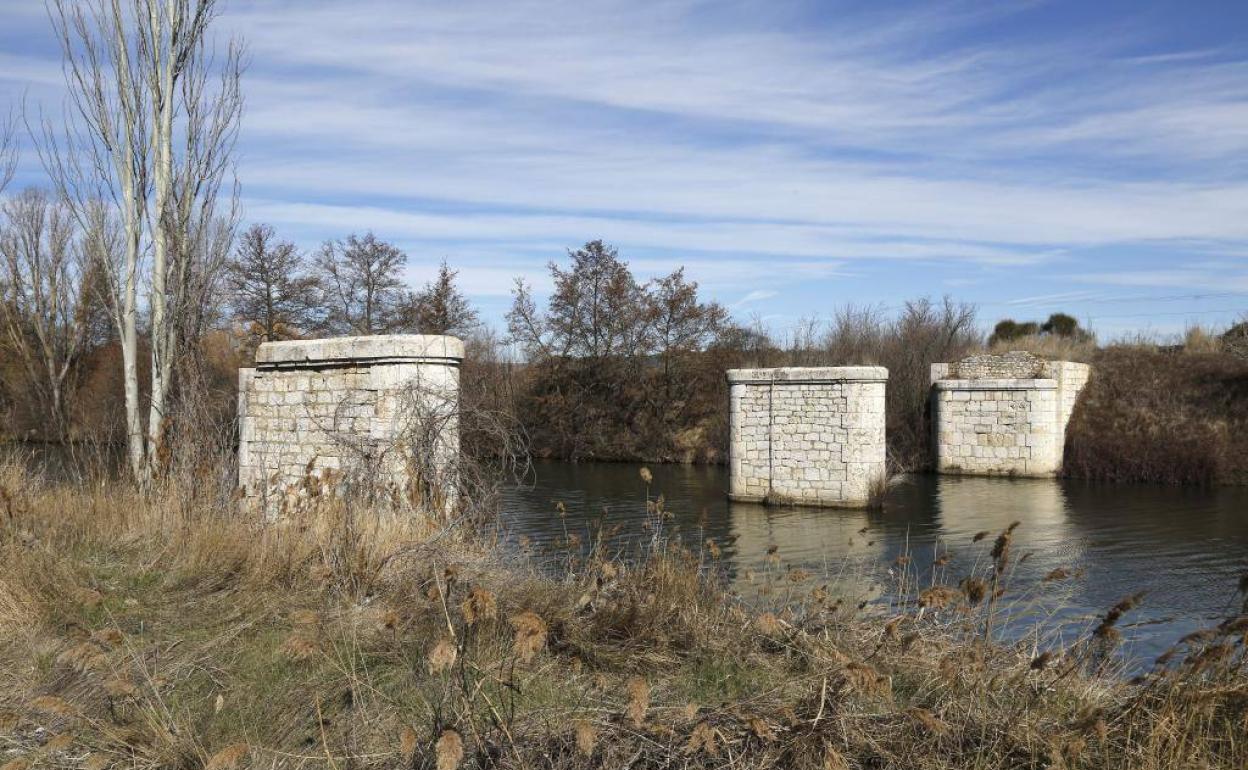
795 156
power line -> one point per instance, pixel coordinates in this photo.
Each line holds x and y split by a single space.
1185 312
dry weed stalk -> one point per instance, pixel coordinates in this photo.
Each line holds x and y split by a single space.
136 618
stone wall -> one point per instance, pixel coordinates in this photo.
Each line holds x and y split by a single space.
1004 414
1015 365
812 436
353 410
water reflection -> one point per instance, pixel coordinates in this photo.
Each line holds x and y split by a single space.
829 542
1185 547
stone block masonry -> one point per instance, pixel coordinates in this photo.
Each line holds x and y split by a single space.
1003 414
352 410
809 436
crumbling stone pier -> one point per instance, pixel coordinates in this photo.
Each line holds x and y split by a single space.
809 436
380 409
1003 414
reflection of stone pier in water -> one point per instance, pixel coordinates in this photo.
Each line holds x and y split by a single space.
810 436
369 409
831 545
1003 414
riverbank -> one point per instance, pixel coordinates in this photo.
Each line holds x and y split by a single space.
1162 416
1150 414
167 631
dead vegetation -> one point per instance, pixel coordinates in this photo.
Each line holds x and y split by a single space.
1153 414
157 632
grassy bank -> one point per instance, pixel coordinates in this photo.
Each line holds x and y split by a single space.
169 632
1149 414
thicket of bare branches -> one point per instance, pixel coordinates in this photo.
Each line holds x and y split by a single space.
273 291
47 311
362 285
441 308
617 369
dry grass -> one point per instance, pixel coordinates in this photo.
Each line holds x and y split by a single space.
1161 415
152 633
1051 346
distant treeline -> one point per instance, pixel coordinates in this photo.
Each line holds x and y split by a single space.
609 367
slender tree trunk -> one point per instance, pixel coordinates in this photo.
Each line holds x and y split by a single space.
132 214
164 42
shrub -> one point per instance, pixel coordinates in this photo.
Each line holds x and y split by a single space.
1061 324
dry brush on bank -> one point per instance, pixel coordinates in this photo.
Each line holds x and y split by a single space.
1150 414
161 633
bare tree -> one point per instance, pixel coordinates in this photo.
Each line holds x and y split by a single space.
271 286
440 307
683 328
8 153
363 288
45 312
147 152
597 309
190 237
588 351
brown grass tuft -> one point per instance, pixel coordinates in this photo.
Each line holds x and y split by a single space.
228 758
586 737
480 605
530 635
442 656
51 704
638 700
408 743
703 739
449 750
939 597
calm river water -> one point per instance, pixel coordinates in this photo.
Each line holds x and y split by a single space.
1186 547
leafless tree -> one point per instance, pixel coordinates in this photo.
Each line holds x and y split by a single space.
45 311
364 291
440 307
683 328
154 120
597 310
190 236
271 286
8 153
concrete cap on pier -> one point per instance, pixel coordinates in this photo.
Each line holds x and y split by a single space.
384 348
797 374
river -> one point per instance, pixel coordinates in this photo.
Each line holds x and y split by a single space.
1185 547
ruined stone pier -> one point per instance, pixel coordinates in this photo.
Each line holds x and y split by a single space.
809 436
1003 414
379 410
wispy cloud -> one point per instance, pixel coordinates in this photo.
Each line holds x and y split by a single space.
754 296
765 145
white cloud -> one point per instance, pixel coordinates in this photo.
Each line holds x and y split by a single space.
755 296
746 140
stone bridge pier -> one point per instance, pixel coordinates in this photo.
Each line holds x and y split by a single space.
380 410
1003 415
809 436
